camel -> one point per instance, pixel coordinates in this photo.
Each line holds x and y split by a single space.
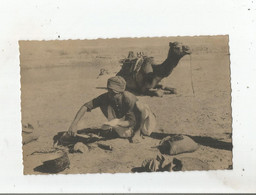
143 76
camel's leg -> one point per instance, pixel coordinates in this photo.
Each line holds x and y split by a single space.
169 90
154 92
159 86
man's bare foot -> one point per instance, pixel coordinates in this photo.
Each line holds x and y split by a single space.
138 139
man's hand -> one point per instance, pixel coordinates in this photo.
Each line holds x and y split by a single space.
72 130
73 127
106 127
138 137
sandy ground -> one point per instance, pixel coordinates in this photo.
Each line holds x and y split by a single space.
57 77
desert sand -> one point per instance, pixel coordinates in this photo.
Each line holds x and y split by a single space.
57 77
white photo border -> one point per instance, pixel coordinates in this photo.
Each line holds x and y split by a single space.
62 20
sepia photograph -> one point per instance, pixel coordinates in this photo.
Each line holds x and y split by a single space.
126 105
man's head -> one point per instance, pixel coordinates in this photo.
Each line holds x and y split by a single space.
116 85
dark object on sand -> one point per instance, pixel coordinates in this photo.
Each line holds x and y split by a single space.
160 164
67 139
153 165
103 71
177 144
105 146
56 163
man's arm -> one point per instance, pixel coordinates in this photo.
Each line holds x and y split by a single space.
130 119
124 123
85 108
73 127
120 122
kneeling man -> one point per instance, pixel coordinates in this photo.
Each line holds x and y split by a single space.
125 114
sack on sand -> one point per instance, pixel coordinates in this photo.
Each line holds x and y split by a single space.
177 144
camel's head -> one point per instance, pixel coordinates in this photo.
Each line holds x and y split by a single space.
179 49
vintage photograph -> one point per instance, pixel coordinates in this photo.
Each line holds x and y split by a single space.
126 105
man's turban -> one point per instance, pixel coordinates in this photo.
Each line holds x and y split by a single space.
116 83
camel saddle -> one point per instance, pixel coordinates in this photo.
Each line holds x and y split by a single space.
132 65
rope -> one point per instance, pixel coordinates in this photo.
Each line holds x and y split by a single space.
191 77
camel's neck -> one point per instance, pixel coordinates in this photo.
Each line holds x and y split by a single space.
165 69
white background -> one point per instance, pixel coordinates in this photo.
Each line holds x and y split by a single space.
48 19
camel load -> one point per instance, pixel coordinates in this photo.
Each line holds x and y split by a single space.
143 76
132 64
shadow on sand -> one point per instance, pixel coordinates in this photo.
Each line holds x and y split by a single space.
108 135
71 140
